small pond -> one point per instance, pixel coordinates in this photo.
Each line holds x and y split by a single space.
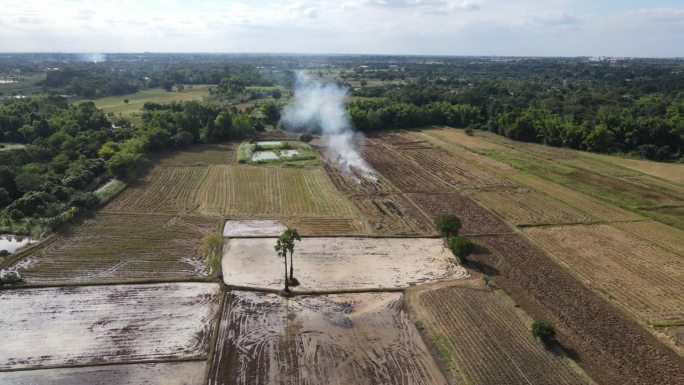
288 153
269 144
263 155
11 242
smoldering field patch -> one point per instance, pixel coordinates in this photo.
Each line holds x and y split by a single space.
341 263
105 324
336 339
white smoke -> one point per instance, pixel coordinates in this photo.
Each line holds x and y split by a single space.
93 57
317 104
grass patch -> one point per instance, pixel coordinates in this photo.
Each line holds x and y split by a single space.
245 151
28 86
116 104
110 190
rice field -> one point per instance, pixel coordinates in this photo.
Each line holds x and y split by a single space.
120 248
481 338
362 339
339 264
265 192
105 324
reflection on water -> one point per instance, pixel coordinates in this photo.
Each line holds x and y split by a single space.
11 242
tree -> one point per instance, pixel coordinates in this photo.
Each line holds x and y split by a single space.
281 250
126 100
543 330
461 247
271 112
180 87
448 225
167 85
306 137
212 250
289 236
122 164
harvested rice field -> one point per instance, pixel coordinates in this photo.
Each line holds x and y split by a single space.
335 339
119 248
168 373
475 219
106 324
527 207
645 279
197 155
338 264
165 190
253 228
393 215
267 192
483 339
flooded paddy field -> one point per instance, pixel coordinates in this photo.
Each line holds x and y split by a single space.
105 324
341 263
253 228
337 339
170 373
12 243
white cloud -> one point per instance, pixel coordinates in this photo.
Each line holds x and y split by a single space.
465 27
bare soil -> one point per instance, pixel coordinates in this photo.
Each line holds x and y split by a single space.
360 339
340 263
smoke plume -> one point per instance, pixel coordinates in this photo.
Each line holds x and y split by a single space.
93 57
321 105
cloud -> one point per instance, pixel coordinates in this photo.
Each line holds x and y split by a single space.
459 27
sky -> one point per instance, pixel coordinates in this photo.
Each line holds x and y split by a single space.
418 27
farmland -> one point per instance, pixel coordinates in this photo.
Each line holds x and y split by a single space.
336 339
106 324
339 264
133 108
483 340
645 279
104 248
171 373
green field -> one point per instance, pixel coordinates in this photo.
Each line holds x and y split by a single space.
26 87
116 104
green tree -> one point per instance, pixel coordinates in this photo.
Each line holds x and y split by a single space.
288 238
543 330
122 164
448 225
281 250
271 112
461 247
212 250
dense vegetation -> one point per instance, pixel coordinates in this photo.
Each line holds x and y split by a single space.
70 149
59 151
631 106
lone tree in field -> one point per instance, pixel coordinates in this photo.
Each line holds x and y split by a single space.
281 249
212 250
289 236
448 225
461 247
544 331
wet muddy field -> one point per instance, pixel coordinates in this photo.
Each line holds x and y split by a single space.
172 373
341 263
105 324
337 339
253 228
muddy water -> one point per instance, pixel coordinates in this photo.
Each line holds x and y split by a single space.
264 155
253 228
174 373
337 339
12 243
341 263
105 324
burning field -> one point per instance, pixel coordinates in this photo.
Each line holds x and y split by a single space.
336 339
338 264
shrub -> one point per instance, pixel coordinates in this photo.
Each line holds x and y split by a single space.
469 131
543 330
306 137
448 225
10 278
461 247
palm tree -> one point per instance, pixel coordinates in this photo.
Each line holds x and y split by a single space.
281 249
291 235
